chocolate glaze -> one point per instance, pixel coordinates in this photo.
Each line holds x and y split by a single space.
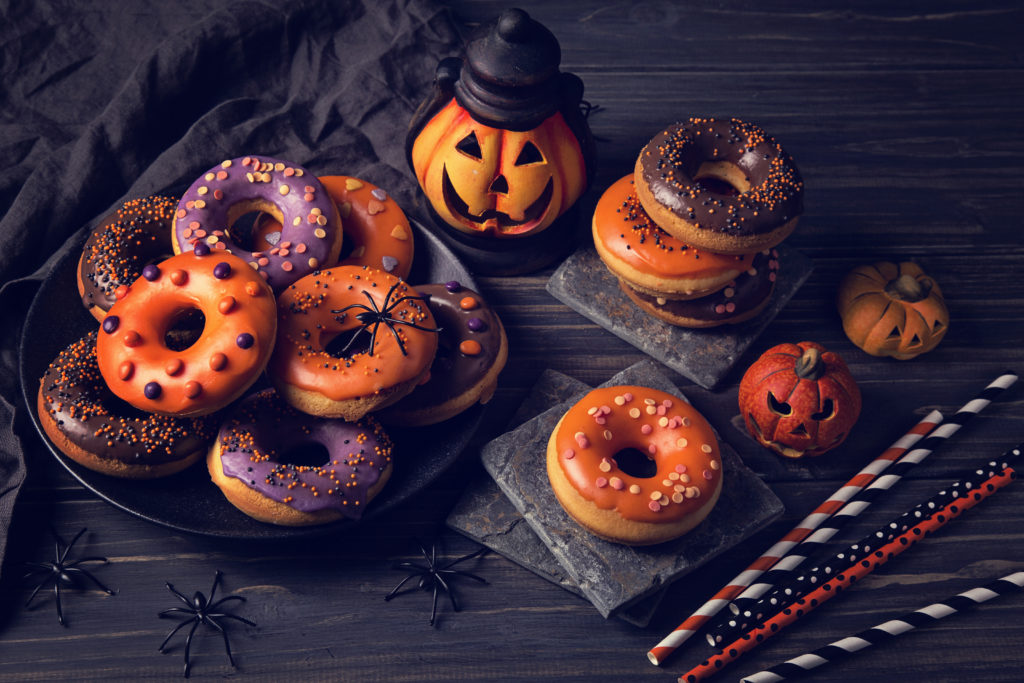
91 417
453 372
672 158
742 294
264 428
122 244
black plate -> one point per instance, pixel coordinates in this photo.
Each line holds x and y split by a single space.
189 501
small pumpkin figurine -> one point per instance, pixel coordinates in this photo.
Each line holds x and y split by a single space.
501 148
799 400
892 309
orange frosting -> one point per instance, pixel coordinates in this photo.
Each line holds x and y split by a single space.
627 232
229 355
307 323
672 433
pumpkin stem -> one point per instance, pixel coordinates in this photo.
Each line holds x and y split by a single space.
908 288
810 366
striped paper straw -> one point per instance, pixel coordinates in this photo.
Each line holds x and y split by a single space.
719 600
890 629
781 572
844 580
807 581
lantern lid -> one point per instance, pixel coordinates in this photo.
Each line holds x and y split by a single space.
509 77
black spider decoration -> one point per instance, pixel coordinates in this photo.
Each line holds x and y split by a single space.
199 610
62 572
373 316
432 576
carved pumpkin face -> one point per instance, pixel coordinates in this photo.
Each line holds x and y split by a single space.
892 310
500 182
799 399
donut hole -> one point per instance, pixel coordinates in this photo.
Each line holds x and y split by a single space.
636 463
350 342
255 225
722 178
310 454
185 329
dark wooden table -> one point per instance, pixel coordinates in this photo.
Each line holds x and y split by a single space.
908 125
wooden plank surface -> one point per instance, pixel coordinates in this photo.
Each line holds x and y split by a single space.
907 121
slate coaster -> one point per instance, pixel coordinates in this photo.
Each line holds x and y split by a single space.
586 285
484 513
610 575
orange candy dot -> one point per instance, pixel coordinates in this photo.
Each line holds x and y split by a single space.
193 389
174 366
126 370
251 288
218 361
131 338
468 303
179 277
226 304
121 291
470 347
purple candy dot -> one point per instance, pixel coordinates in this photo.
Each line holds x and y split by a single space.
151 272
245 340
476 324
222 270
453 286
201 249
152 390
111 323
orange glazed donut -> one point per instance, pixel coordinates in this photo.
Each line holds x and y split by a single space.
377 232
235 344
350 340
627 508
636 250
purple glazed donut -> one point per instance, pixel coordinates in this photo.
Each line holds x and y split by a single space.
251 463
310 239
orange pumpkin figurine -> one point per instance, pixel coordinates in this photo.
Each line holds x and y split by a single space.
892 309
501 148
799 400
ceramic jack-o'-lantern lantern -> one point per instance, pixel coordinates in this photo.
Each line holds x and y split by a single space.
891 309
799 400
502 149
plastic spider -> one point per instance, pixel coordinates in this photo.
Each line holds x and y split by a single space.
62 572
432 576
199 610
373 316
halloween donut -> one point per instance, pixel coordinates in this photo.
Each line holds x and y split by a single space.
137 234
615 492
741 299
253 463
472 350
724 186
83 419
636 250
350 340
377 232
229 355
311 236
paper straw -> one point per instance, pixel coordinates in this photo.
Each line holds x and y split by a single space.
782 571
709 609
844 580
807 581
890 629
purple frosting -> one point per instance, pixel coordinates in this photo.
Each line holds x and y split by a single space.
264 428
309 216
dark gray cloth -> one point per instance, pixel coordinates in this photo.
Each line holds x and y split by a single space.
106 101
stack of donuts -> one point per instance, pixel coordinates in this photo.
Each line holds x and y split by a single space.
691 233
195 308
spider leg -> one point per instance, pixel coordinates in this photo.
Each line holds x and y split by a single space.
67 549
414 325
412 565
433 606
387 297
351 341
75 571
174 630
458 572
224 633
36 567
220 602
35 592
478 553
188 646
394 591
221 615
216 580
401 344
448 590
180 596
339 311
60 608
176 610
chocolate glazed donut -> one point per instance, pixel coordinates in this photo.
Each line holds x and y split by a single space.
126 241
89 424
679 175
